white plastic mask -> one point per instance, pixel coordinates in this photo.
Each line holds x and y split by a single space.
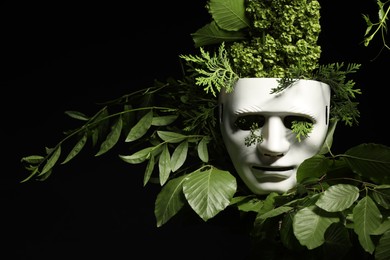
271 165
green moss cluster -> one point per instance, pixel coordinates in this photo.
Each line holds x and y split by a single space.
283 37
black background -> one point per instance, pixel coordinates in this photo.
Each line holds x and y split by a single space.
58 56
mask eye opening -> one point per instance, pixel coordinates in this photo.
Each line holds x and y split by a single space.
246 122
288 120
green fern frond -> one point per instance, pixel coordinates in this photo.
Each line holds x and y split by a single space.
301 129
214 72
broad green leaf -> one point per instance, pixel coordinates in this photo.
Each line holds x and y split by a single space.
169 201
76 149
367 219
382 251
171 137
163 120
287 236
275 212
112 137
229 14
269 203
209 191
212 34
179 156
261 218
51 161
149 169
202 149
383 227
164 165
313 167
371 161
310 226
337 242
338 197
381 194
141 127
247 203
137 157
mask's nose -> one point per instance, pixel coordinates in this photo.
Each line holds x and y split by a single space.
275 142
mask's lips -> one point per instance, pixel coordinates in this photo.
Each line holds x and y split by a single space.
272 173
273 168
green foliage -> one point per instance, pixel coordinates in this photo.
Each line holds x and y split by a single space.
278 39
341 202
301 129
255 136
283 35
264 38
160 123
333 202
380 26
214 72
343 107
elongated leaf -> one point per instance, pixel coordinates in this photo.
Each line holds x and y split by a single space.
95 136
309 227
76 149
137 157
33 159
338 197
164 165
128 118
140 128
367 218
202 149
101 122
112 137
169 201
371 161
149 169
51 161
171 137
179 156
209 191
327 145
382 251
77 115
163 120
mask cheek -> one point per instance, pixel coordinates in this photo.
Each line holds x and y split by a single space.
312 144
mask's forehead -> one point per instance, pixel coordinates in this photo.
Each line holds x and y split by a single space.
255 96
